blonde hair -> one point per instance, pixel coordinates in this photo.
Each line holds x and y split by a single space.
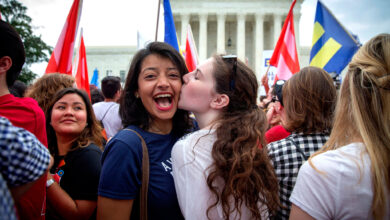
44 89
364 103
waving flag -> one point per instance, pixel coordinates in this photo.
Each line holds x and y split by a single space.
81 70
95 78
191 54
333 46
61 58
285 56
170 36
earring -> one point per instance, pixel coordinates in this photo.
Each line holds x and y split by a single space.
136 95
86 124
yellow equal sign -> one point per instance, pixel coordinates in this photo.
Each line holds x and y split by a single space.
318 31
327 51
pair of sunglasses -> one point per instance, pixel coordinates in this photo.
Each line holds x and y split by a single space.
232 59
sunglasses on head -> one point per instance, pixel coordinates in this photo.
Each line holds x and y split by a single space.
232 59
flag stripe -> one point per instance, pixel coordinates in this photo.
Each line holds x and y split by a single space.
191 55
170 36
326 53
318 31
284 72
81 76
333 46
289 41
285 56
61 58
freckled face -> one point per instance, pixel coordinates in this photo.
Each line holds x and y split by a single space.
69 115
159 84
198 89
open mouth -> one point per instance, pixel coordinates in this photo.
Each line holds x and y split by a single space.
163 101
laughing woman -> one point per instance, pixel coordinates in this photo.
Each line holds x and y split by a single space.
148 106
75 143
219 171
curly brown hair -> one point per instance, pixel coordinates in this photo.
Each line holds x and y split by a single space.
47 86
92 133
246 169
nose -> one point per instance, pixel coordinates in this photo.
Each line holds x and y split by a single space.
69 111
163 82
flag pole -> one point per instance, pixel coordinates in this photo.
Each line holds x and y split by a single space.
158 17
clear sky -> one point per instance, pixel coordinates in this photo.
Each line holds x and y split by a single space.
115 22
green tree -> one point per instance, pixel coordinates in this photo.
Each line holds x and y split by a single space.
13 12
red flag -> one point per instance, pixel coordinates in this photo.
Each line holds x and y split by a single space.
61 58
191 55
285 56
81 75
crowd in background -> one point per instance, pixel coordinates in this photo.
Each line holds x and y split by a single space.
173 144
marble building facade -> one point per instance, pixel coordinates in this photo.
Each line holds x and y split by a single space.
242 27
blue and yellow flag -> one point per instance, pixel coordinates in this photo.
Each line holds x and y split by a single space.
170 36
333 46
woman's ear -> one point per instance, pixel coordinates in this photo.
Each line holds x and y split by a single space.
5 64
220 101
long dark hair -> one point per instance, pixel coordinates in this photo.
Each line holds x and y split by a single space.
90 134
245 168
131 109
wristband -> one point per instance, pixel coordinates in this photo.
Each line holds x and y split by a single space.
49 183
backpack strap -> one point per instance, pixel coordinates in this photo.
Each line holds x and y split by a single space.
145 178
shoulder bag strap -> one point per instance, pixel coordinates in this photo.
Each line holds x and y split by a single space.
297 147
106 112
145 178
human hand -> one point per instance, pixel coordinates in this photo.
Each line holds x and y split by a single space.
264 80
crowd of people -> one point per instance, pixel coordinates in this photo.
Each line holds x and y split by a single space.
173 144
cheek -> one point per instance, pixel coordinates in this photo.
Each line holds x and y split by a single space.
82 117
176 86
55 116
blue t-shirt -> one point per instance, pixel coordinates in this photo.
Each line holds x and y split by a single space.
122 172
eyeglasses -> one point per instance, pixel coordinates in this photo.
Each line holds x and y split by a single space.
232 59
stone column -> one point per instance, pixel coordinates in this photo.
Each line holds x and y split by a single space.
259 45
241 37
202 36
277 27
185 19
221 33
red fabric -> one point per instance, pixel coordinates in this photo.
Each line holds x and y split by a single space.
285 56
25 113
191 55
61 58
82 80
276 133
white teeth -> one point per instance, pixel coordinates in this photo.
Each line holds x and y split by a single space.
163 96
